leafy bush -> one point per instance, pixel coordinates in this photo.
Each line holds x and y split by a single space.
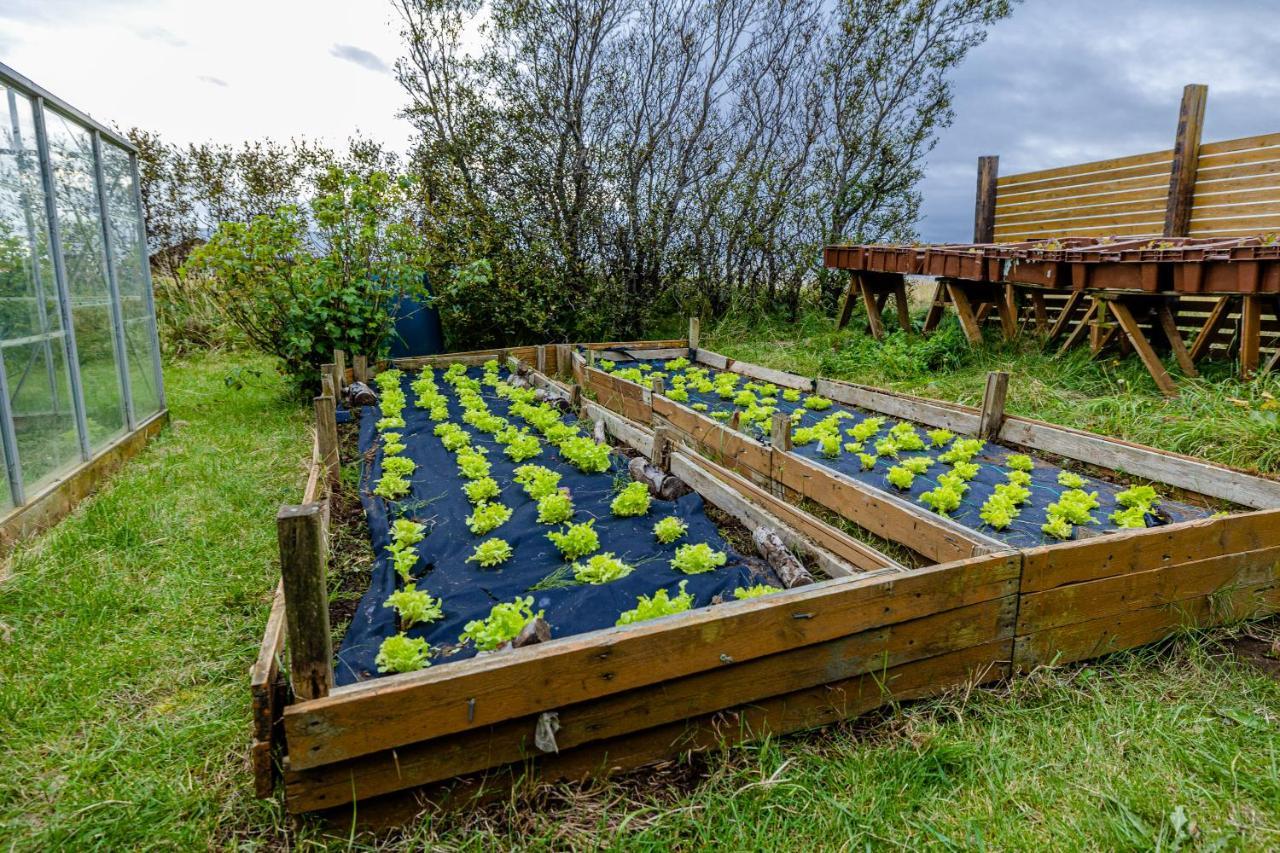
602 568
399 653
301 284
631 501
414 606
670 529
503 624
699 558
659 604
577 540
491 552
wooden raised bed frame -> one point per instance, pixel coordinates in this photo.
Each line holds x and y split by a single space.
793 660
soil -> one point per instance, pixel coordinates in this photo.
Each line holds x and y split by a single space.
350 554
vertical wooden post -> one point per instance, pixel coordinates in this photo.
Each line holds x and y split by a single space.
303 557
360 368
329 379
327 434
1186 155
780 432
874 321
591 358
993 404
540 358
1250 334
850 302
695 329
663 444
984 209
657 384
340 363
964 310
564 360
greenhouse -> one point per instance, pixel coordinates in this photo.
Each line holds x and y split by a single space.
79 355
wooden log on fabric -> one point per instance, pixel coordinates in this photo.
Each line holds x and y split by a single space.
662 485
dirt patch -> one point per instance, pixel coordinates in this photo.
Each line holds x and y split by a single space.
350 554
1259 645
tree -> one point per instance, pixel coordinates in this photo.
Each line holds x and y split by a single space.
640 155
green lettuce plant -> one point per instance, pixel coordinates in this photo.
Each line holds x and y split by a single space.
670 529
472 463
1138 496
522 447
962 450
487 516
392 487
503 624
602 568
887 447
866 428
659 604
829 446
555 508
817 403
699 558
585 455
1070 480
900 477
1018 478
491 552
538 482
399 466
791 395
414 606
399 653
391 443
1019 462
756 591
868 460
1129 517
940 437
577 540
631 501
483 489
917 464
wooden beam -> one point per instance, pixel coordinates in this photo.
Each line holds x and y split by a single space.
1143 347
695 332
964 310
1081 329
937 308
874 321
984 212
1064 316
303 557
327 435
1041 311
1250 334
1217 318
1186 156
850 301
1008 311
993 404
1169 325
904 309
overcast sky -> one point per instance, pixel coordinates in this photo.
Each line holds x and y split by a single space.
1060 82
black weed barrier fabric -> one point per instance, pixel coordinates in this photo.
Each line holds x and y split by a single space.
467 591
992 461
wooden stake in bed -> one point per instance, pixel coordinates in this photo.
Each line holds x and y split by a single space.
303 555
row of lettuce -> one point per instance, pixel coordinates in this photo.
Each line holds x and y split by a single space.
755 404
578 542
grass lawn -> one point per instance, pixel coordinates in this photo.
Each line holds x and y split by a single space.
126 635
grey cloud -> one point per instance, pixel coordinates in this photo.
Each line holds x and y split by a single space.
1062 83
361 57
214 81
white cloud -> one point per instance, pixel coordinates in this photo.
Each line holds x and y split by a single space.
229 71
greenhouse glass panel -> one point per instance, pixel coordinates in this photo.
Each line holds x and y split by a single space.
33 346
131 280
84 258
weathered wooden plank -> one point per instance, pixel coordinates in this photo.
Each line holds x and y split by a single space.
302 534
714 359
622 396
777 377
1185 472
732 449
620 428
1146 585
663 344
929 412
1097 637
267 666
390 712
643 354
862 652
1213 150
1117 553
883 514
1148 163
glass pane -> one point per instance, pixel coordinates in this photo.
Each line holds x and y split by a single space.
80 226
32 343
127 255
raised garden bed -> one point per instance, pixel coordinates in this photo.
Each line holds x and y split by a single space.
596 699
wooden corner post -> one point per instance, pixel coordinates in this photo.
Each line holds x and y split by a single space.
695 330
780 432
993 404
984 210
303 558
1186 155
